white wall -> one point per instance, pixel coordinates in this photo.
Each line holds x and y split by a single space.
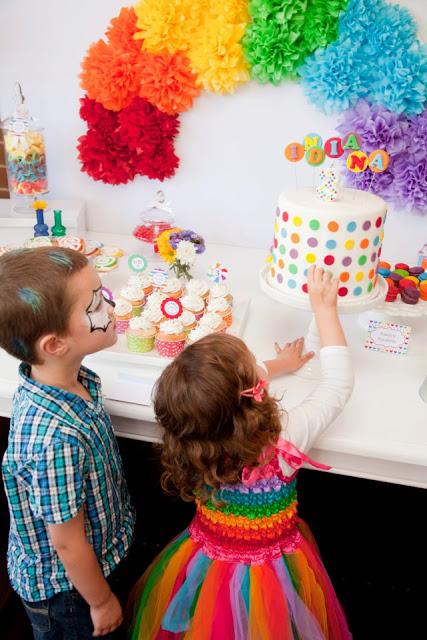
231 148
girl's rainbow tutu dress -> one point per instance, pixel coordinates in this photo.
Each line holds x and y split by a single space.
247 568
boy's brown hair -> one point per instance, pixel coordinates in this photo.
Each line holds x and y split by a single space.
34 299
211 430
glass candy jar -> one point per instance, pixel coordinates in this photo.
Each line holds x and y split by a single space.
154 220
25 153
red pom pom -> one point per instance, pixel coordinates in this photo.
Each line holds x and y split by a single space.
138 140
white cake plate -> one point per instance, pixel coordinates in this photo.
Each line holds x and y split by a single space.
312 340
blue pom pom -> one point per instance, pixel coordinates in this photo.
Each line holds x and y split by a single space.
377 57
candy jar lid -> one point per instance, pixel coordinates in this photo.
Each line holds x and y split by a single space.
158 210
21 120
155 219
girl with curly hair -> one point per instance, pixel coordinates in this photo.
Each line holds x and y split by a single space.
247 568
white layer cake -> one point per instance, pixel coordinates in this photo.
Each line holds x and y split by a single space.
343 236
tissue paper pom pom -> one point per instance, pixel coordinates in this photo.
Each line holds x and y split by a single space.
111 76
122 29
119 146
168 26
217 57
168 82
376 57
104 159
321 23
284 32
410 183
215 53
378 127
404 182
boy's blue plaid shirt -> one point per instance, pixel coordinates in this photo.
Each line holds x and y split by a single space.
62 454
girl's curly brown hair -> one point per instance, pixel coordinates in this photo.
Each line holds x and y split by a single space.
211 431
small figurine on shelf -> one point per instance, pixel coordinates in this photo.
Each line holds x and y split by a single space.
58 230
180 248
156 219
40 229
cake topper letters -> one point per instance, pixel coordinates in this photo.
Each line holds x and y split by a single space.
315 152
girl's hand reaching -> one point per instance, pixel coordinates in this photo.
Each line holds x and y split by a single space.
323 290
289 359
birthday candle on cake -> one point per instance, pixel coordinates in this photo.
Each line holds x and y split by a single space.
329 183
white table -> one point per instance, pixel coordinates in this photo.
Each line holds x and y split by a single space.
382 432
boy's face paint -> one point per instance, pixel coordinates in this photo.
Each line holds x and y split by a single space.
98 311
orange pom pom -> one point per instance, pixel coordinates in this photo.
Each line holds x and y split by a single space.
122 29
168 82
111 76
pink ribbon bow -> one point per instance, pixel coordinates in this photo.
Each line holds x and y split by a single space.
256 392
288 452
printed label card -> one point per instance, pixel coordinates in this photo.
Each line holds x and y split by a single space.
388 337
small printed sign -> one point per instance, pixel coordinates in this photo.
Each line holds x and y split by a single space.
388 337
137 263
171 308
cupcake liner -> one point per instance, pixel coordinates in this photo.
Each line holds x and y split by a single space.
228 319
121 325
169 348
199 315
138 344
137 310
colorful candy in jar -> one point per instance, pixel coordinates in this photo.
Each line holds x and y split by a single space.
25 152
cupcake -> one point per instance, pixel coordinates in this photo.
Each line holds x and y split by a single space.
154 314
123 312
140 335
198 333
172 288
188 320
222 308
192 302
214 322
134 295
221 291
170 340
155 299
199 288
143 281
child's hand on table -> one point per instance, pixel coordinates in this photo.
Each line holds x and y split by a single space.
290 358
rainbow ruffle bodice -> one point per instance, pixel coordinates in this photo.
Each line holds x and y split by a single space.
249 524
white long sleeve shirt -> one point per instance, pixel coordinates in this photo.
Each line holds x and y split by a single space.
303 424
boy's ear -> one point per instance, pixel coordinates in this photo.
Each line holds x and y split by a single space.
52 345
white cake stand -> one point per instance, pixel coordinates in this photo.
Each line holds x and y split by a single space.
312 340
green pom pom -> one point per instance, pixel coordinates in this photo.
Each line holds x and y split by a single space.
282 33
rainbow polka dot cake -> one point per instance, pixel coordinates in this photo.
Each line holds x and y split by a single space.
343 236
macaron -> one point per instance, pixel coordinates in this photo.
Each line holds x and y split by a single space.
407 282
401 265
423 276
384 265
383 272
410 295
396 277
392 294
416 271
423 290
414 280
402 272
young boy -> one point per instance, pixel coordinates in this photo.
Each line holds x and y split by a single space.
71 521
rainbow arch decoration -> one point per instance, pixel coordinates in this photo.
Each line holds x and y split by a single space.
359 59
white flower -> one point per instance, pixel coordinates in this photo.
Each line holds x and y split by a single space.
186 253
